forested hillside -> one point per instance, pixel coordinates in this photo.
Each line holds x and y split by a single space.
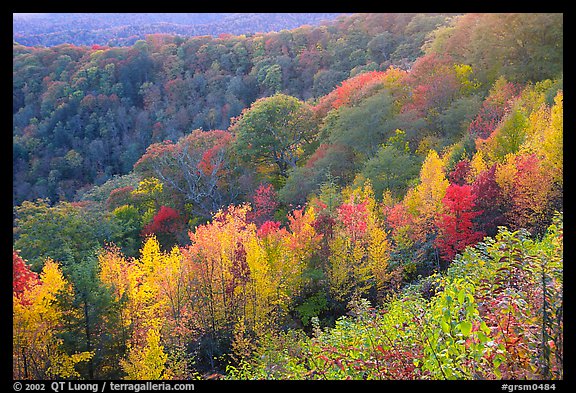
85 114
125 29
376 198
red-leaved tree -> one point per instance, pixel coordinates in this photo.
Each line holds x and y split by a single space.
459 173
457 230
167 225
264 204
489 199
22 277
353 218
351 91
434 84
493 109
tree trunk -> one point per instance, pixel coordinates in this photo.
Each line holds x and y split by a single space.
88 342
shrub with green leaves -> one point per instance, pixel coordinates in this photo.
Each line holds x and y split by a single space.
496 313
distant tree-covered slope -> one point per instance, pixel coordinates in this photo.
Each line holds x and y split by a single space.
125 29
84 114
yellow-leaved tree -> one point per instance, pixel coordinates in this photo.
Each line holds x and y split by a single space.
240 279
151 295
358 261
545 137
147 361
424 202
37 318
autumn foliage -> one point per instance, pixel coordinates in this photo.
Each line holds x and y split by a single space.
22 277
456 226
167 221
265 203
338 202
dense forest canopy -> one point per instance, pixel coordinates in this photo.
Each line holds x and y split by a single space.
84 114
375 197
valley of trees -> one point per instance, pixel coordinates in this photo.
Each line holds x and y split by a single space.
84 114
125 29
377 198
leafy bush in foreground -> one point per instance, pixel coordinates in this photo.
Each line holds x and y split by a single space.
496 313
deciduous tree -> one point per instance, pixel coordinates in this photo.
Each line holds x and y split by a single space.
274 130
456 226
38 351
197 168
22 276
359 249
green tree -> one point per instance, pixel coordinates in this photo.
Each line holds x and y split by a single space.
93 324
519 46
365 126
329 162
393 167
128 223
274 131
65 232
507 138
